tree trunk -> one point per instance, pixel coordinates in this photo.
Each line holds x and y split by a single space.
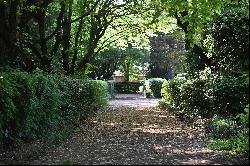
45 59
66 39
98 29
58 37
126 72
75 52
8 32
197 50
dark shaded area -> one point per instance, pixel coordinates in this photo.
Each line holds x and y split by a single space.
160 61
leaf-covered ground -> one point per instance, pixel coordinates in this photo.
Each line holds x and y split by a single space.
131 135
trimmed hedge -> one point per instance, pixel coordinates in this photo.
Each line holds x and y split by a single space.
127 87
230 95
225 96
155 85
36 106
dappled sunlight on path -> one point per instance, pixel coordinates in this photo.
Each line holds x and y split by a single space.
130 131
135 135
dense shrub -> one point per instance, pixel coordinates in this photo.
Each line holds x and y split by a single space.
44 106
230 135
221 128
171 90
206 97
229 95
127 87
155 85
223 98
194 98
189 96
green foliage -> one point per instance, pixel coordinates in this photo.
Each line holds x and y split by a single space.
229 95
193 98
231 39
105 63
45 106
220 144
132 58
221 128
128 60
67 162
166 92
223 42
238 140
166 57
222 98
127 87
244 117
170 91
194 63
237 144
195 14
181 93
155 85
206 97
26 105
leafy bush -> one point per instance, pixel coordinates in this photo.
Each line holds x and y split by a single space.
171 91
127 87
206 97
34 102
155 85
194 99
223 98
238 140
229 95
189 96
44 106
221 128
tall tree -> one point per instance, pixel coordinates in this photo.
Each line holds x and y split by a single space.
164 48
193 17
230 40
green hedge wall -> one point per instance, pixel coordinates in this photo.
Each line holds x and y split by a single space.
127 87
44 106
224 96
155 84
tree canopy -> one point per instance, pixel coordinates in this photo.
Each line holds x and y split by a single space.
65 36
